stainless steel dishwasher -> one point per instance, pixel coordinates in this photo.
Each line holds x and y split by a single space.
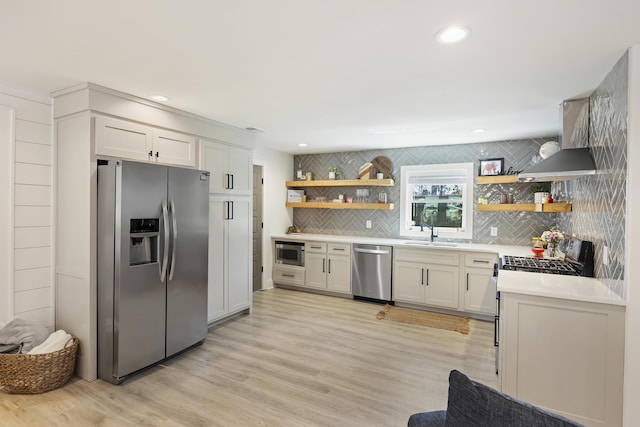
371 272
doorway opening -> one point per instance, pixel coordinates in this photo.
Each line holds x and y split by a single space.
257 227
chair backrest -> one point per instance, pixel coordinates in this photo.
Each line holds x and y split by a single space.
474 404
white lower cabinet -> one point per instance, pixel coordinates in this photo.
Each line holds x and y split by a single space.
422 283
229 255
315 265
426 276
328 266
479 286
563 355
288 274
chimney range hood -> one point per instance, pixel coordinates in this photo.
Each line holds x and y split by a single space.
568 163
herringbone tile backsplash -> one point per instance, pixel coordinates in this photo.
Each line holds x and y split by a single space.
599 201
514 228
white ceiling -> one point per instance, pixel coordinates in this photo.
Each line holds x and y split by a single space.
337 75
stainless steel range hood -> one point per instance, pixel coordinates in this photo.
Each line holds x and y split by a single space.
568 163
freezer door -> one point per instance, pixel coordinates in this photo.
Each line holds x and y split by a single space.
187 272
140 294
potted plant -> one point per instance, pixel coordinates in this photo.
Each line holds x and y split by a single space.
540 193
334 172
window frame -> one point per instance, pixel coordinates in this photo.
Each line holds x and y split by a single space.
437 170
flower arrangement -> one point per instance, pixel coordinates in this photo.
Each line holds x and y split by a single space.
552 237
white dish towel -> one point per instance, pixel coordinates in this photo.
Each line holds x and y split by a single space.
55 342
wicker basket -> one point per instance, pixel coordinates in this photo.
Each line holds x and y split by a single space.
38 373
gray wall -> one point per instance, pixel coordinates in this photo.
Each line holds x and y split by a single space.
599 202
514 228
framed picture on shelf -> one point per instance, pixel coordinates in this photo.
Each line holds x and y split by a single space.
491 167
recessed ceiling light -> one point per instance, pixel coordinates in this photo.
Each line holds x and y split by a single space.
158 98
302 145
478 130
453 34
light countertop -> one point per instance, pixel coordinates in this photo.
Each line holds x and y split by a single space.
537 284
406 243
573 288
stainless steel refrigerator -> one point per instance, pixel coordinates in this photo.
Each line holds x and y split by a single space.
152 223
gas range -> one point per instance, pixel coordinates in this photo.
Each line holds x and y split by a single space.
578 261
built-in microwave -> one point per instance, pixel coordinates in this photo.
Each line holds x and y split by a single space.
291 253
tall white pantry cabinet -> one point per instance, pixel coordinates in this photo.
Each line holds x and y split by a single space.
91 121
230 231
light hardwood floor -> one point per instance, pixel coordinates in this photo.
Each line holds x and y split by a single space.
299 359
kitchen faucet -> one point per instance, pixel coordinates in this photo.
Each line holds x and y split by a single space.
422 224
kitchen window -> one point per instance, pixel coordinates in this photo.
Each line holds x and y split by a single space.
441 195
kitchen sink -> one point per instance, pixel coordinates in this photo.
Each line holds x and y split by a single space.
432 244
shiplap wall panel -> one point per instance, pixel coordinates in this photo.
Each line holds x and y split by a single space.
32 174
27 109
32 216
29 152
43 315
32 258
7 125
33 299
31 237
33 132
33 278
32 146
32 195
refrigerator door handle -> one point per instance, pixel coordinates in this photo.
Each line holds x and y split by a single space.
172 266
165 256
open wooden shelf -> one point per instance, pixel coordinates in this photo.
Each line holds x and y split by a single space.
332 205
497 179
525 207
342 183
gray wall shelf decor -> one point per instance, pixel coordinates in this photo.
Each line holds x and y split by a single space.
514 228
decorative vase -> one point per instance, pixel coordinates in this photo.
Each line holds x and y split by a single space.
552 249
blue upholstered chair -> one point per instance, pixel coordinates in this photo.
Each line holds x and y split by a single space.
473 404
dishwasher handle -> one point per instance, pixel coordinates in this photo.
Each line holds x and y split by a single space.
371 251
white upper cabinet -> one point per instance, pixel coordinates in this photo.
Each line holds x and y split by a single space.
174 148
127 140
231 168
119 138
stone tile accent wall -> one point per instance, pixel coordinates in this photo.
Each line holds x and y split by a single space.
514 228
599 202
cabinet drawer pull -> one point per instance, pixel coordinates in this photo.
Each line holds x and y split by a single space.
422 277
481 261
467 281
427 277
338 249
315 247
323 263
288 275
